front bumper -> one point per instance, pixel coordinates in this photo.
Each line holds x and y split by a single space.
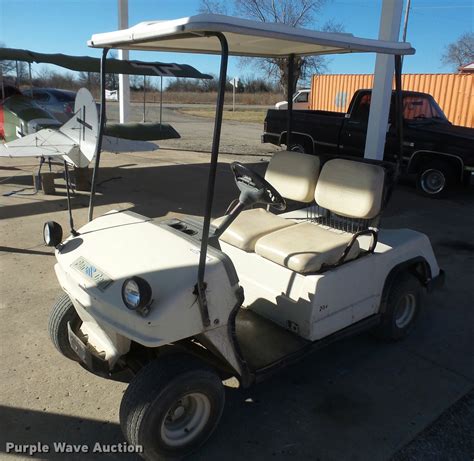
93 362
88 357
270 138
436 282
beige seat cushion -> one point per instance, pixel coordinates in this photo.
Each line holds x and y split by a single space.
350 188
305 247
294 175
249 226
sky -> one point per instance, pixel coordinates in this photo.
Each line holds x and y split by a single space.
64 26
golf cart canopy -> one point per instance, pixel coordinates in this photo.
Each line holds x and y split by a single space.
245 38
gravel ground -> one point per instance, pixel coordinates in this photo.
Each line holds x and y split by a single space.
450 437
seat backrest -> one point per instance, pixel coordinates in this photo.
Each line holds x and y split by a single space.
294 175
350 188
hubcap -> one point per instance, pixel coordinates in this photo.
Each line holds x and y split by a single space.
297 148
405 310
433 181
186 418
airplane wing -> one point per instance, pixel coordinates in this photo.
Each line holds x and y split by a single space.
117 145
44 143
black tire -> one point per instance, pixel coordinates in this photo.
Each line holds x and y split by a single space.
146 411
401 308
63 312
436 179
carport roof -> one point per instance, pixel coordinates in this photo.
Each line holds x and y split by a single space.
245 38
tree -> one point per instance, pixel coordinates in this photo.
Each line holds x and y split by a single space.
295 13
15 70
461 52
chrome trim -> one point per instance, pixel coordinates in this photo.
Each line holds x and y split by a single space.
436 153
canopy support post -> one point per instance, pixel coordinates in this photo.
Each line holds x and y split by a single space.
100 135
201 285
390 22
399 109
290 84
74 233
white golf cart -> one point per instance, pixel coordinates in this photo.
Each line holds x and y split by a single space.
184 303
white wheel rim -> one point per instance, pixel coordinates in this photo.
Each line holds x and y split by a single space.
185 419
433 181
297 148
405 310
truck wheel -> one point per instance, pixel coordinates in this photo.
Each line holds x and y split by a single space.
62 313
402 307
298 147
435 179
171 407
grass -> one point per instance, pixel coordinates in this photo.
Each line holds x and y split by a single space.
240 115
183 97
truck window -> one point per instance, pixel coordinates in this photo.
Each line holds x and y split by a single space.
302 97
360 113
420 107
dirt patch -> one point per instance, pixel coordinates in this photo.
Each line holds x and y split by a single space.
239 115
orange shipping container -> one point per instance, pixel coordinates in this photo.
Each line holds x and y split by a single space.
453 92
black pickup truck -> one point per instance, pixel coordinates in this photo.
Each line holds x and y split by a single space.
438 152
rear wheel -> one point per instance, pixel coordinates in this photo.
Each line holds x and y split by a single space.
171 407
435 179
401 308
63 312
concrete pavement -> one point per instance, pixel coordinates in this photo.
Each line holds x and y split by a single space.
356 400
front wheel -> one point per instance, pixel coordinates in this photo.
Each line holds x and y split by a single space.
63 312
171 407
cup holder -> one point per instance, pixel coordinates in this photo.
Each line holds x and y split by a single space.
183 228
178 226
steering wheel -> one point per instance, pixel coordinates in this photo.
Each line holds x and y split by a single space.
255 189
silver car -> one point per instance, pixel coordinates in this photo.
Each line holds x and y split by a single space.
59 103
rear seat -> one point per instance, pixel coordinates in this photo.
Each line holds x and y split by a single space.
294 175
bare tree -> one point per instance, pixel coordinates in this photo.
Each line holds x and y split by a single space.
461 52
16 70
295 13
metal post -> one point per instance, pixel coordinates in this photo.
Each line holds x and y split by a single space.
31 78
399 108
233 97
124 80
101 131
201 286
144 97
405 23
68 194
289 126
161 100
389 30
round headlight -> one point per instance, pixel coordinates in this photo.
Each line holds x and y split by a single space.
136 293
52 234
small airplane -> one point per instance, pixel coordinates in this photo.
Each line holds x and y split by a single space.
75 141
28 130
